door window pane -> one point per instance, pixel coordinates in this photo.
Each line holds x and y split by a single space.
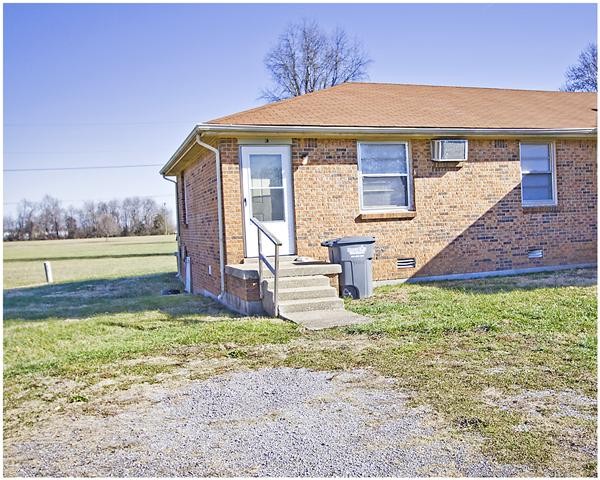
268 204
537 187
265 171
383 158
385 192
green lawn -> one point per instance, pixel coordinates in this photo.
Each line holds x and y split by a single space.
83 259
508 362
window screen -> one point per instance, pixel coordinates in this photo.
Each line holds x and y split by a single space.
537 174
384 176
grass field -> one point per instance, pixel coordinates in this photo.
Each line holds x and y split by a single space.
83 259
510 362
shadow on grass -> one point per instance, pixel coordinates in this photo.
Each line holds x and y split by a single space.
543 302
582 277
127 295
87 257
84 299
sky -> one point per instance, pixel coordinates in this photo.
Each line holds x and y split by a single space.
89 85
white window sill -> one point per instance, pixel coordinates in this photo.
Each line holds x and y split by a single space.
548 207
387 215
536 205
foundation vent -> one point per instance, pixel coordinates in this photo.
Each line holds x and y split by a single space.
406 263
535 253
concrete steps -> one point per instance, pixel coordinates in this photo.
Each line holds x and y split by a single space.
301 294
286 269
298 282
305 293
321 319
309 305
306 269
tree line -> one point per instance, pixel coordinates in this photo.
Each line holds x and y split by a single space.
48 219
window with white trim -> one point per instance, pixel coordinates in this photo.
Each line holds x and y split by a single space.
538 183
384 176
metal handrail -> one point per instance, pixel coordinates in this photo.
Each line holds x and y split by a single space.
274 269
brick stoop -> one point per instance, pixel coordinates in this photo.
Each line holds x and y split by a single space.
308 292
308 299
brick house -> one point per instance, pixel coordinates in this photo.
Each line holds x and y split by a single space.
452 182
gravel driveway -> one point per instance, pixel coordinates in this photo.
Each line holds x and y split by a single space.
270 422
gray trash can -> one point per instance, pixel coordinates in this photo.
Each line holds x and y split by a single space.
355 255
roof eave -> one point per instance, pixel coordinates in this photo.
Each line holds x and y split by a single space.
472 131
167 168
204 128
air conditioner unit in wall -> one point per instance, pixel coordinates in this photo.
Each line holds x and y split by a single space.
449 150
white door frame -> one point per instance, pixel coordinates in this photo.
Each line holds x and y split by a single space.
284 230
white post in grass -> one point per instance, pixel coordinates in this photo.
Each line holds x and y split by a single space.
48 270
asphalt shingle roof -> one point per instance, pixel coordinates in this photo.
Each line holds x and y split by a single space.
399 105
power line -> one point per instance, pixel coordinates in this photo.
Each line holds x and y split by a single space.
95 124
71 152
95 167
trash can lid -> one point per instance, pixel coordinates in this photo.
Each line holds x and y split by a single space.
352 240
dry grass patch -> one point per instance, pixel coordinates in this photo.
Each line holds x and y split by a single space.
509 363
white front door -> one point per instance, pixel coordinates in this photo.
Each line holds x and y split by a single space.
267 196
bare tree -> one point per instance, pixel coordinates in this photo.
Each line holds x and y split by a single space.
132 211
71 225
25 222
583 76
149 209
162 223
108 225
307 59
10 226
114 209
88 219
50 217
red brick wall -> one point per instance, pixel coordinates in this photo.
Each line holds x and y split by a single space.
232 200
200 235
469 218
246 289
